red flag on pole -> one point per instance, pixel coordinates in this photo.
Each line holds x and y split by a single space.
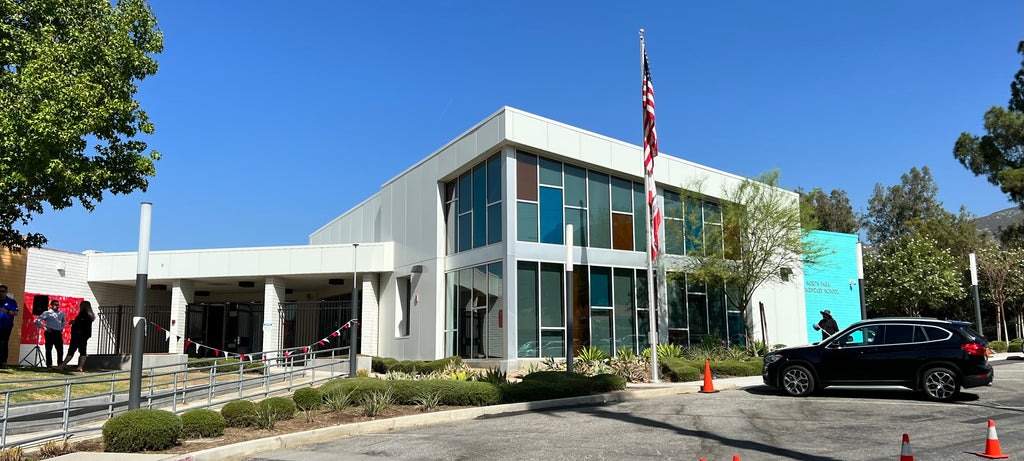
650 151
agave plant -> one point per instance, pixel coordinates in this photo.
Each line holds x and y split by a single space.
592 354
625 354
670 351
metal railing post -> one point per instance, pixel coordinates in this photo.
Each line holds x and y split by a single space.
241 370
113 397
67 407
209 390
3 435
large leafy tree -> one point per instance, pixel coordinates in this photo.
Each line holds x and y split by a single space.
760 242
998 268
69 121
910 276
891 210
999 154
829 212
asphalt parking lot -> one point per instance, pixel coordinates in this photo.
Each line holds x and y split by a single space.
755 423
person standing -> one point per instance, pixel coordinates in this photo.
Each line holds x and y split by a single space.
53 321
8 309
827 324
81 331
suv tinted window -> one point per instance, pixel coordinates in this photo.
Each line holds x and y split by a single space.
899 334
869 335
929 333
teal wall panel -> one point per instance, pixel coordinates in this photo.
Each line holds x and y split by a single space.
832 285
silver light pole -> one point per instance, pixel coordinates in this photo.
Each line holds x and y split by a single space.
974 285
570 352
353 349
139 319
860 281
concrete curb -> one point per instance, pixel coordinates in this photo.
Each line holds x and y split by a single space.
332 433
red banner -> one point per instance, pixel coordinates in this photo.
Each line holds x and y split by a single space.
30 334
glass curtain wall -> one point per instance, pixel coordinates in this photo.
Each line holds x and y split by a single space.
474 312
473 216
696 310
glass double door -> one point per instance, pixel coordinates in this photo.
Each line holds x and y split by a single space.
230 327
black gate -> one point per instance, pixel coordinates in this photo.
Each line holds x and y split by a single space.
115 329
305 324
231 327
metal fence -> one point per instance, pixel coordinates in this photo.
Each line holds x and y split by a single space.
115 329
303 324
177 388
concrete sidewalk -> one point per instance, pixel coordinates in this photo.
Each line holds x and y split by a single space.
636 391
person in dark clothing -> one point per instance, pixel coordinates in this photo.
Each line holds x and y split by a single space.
8 309
81 331
54 323
827 324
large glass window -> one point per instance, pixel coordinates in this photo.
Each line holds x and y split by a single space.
473 211
551 228
528 309
541 318
600 210
473 314
696 310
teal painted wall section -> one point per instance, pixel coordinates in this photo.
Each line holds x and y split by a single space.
832 285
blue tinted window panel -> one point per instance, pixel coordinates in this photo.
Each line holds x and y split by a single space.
712 214
494 220
578 218
641 289
553 343
674 237
494 179
551 295
622 195
551 228
643 324
673 205
527 310
465 193
600 210
600 286
697 308
451 301
717 317
479 207
601 330
526 225
575 186
676 303
625 321
466 232
550 172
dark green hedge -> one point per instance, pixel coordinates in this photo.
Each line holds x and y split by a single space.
735 368
452 392
383 365
308 398
200 422
141 429
608 382
679 370
240 413
282 407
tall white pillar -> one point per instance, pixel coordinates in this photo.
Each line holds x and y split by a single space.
273 295
183 292
370 313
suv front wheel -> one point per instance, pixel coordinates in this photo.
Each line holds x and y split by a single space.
940 384
797 381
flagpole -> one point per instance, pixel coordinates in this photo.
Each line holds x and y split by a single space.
649 189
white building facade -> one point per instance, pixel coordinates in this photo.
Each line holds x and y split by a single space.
462 254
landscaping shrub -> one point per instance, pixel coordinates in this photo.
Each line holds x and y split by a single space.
576 384
1014 346
997 346
736 368
382 364
608 382
51 449
527 391
376 403
240 413
200 422
679 370
282 407
357 386
362 373
308 398
141 429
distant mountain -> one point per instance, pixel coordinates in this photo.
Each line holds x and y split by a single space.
1002 218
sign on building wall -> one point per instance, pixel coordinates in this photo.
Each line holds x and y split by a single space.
832 285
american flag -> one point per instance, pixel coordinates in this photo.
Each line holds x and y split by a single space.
650 151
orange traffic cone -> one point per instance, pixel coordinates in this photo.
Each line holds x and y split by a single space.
905 454
735 457
992 449
708 386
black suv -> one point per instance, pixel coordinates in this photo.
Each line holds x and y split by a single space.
935 356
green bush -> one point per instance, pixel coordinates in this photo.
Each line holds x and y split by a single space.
201 422
405 392
736 368
282 407
679 370
240 413
142 429
357 386
998 346
608 382
382 364
1014 346
577 384
537 389
225 365
308 398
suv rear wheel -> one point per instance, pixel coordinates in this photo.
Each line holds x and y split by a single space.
797 381
940 384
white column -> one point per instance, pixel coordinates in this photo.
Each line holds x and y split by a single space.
182 293
370 315
273 294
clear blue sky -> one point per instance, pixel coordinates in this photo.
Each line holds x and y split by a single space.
276 117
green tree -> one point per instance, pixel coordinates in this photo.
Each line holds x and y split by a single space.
68 72
830 212
998 268
760 239
891 210
910 276
999 154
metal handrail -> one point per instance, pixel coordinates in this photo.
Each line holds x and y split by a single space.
177 393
